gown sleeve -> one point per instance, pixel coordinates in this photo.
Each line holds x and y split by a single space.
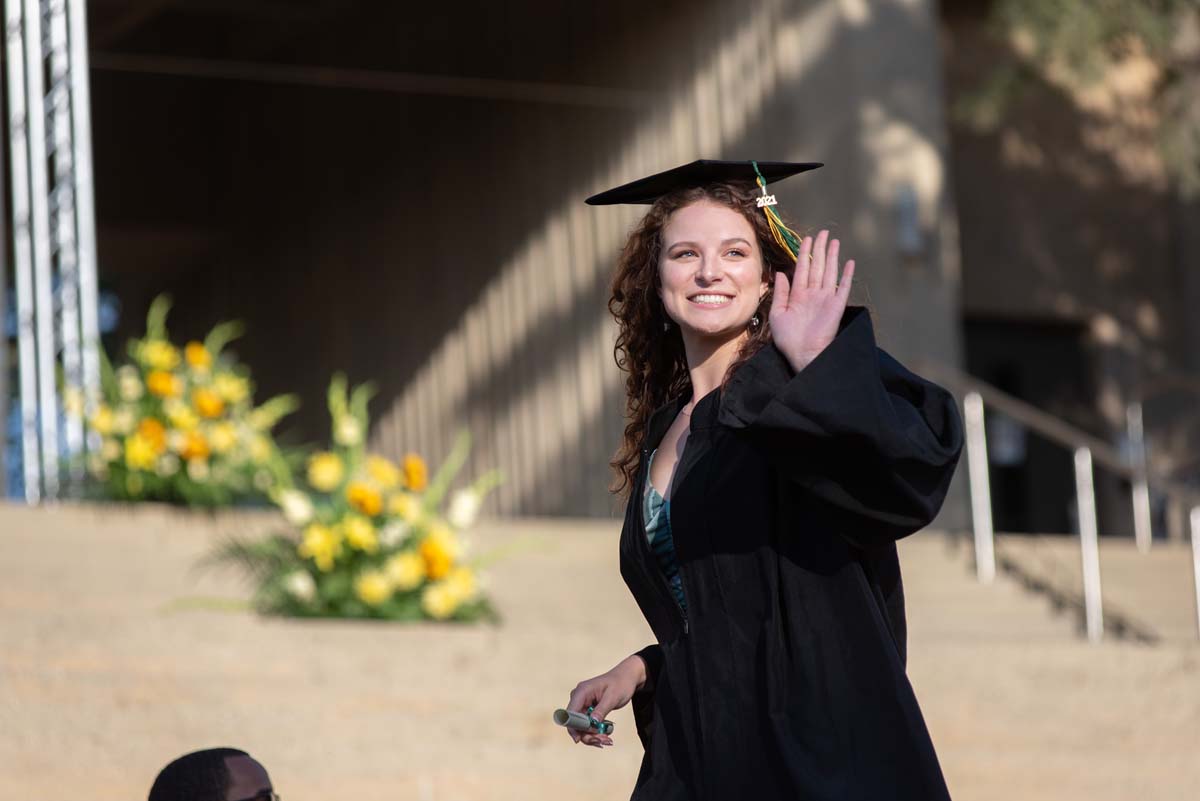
643 699
874 442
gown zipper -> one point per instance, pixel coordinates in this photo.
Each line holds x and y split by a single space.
649 561
650 566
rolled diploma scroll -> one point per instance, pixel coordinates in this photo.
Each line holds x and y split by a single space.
581 722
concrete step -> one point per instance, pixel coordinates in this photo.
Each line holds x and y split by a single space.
118 654
1146 596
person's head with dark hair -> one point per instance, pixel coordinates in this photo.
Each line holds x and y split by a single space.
214 774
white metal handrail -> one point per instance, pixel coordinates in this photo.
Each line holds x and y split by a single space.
1086 450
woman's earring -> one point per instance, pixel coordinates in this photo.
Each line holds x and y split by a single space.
666 325
755 322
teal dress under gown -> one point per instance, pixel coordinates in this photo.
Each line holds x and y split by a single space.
658 532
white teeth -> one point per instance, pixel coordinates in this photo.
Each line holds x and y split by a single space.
711 298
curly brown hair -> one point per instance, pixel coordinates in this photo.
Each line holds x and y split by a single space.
654 358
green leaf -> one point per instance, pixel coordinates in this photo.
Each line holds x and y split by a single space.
206 603
359 398
156 317
108 377
271 411
337 395
448 470
261 558
221 335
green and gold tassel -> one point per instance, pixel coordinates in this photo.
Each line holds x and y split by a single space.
788 239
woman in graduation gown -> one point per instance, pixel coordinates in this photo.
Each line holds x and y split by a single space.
789 453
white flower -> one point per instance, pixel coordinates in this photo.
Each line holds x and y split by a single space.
129 383
393 533
464 508
347 431
110 450
73 401
124 420
197 469
176 439
300 585
296 506
168 465
97 465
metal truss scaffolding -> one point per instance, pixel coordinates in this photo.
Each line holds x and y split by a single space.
54 235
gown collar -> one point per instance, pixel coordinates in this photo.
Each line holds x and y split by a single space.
704 415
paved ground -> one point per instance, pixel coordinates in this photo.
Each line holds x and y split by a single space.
111 663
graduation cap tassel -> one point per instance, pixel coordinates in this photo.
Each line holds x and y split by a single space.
788 239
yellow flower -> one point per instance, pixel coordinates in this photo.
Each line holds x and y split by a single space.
439 550
160 355
461 583
406 506
372 587
195 446
260 449
406 570
360 533
208 403
198 356
103 421
164 384
231 388
180 415
222 437
383 472
140 453
416 475
320 544
153 432
439 601
364 498
325 471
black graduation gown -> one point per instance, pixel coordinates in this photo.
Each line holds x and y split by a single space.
787 678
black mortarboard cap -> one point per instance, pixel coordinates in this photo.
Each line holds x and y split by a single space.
699 173
709 171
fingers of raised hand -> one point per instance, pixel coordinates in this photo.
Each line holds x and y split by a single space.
829 279
779 300
803 263
819 259
843 288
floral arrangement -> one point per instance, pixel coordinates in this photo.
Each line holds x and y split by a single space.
366 536
179 425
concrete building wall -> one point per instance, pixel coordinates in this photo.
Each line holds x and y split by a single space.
434 240
1074 295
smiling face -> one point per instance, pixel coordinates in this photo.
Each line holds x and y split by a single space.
711 270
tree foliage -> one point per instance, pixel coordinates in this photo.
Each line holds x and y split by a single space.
1083 38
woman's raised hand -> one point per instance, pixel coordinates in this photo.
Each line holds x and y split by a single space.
805 312
606 692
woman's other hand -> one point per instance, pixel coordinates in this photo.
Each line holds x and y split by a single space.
606 692
805 312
